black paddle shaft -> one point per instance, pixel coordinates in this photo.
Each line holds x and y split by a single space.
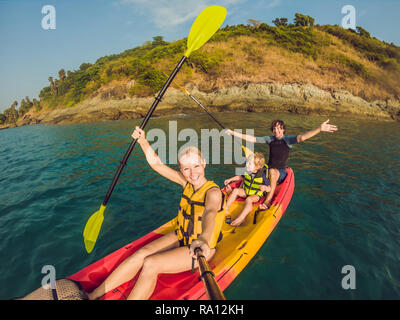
142 126
212 289
209 113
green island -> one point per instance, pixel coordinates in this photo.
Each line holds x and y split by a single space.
298 67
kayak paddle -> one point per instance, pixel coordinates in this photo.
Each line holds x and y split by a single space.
213 290
203 28
247 152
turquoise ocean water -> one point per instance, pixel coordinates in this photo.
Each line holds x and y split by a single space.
345 208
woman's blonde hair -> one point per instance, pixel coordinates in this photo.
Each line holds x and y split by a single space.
259 160
188 150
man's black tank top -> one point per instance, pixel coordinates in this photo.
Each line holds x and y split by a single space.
278 154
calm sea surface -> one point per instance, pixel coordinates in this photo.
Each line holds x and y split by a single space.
345 208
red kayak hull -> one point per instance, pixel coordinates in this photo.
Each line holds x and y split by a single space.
234 252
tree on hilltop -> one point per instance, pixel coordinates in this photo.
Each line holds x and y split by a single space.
280 22
11 114
52 86
158 41
301 20
84 66
24 107
36 104
254 22
61 74
362 32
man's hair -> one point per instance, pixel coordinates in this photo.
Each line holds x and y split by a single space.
259 160
280 122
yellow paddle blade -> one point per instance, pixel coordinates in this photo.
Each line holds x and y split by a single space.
92 229
247 152
204 27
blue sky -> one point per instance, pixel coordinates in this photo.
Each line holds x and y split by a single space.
87 30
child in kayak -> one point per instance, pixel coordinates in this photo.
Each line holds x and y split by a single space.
254 184
279 149
199 222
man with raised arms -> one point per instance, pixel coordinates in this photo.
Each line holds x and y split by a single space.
279 149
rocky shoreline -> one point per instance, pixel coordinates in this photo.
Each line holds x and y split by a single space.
261 97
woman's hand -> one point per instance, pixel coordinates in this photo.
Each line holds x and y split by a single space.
139 134
199 243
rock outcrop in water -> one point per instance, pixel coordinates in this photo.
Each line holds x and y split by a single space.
320 69
293 98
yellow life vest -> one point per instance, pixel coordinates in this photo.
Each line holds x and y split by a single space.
251 184
191 209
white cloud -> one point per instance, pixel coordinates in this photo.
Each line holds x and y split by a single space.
170 13
273 4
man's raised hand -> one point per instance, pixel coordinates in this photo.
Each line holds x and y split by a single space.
326 127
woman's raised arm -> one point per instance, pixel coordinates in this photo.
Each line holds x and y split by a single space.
155 162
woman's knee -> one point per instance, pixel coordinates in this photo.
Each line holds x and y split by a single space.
139 255
150 266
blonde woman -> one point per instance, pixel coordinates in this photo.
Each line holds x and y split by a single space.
200 218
